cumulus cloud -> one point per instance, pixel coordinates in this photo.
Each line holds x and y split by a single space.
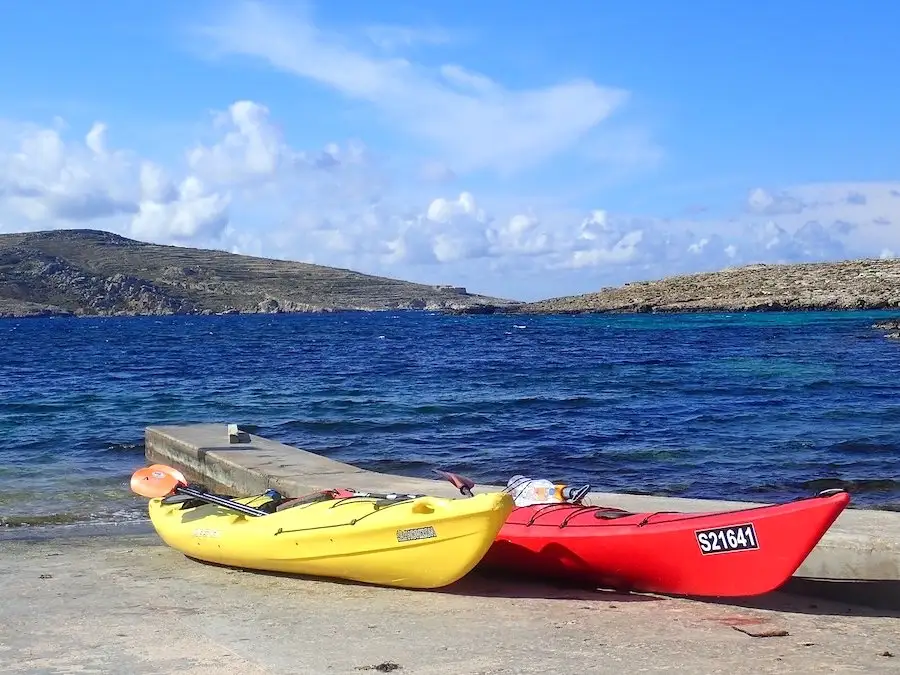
250 148
189 213
464 116
48 181
763 201
246 190
43 178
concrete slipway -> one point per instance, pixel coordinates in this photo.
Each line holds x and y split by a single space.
129 604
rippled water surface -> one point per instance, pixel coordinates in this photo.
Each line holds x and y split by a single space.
760 407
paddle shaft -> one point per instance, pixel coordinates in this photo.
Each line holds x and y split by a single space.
221 501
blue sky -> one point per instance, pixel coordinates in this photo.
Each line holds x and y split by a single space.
557 148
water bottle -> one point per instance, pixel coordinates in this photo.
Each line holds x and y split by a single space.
526 491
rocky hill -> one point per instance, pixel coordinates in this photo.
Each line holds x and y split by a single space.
90 272
852 284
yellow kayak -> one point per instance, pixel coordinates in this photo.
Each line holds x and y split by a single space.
426 542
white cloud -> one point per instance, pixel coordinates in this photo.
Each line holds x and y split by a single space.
155 184
46 181
250 149
96 139
188 214
468 119
247 190
763 201
43 178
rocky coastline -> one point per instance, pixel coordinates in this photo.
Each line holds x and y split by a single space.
891 328
97 273
844 285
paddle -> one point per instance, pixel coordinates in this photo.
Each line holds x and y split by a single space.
463 484
159 480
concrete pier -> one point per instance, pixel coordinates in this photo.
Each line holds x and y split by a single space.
131 605
858 558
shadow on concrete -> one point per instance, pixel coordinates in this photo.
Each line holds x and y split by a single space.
483 585
474 585
824 597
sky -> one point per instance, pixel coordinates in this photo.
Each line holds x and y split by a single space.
522 149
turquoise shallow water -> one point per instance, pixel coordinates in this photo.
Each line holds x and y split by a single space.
760 407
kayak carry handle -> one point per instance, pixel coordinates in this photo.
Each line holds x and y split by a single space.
423 507
463 484
830 492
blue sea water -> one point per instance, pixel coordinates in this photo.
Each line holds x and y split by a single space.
761 407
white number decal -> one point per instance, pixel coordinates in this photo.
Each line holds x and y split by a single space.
726 539
751 537
732 538
704 542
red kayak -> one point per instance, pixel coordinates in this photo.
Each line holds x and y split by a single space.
723 553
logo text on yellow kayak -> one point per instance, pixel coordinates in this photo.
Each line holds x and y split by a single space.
204 532
416 533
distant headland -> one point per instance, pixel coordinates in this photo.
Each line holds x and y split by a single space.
97 273
843 285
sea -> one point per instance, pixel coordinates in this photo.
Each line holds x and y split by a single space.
759 407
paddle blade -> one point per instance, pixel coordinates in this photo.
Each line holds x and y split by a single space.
155 481
461 483
172 470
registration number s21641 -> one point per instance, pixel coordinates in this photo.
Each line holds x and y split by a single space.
727 539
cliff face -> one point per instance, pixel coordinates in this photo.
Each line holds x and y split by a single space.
855 284
89 272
